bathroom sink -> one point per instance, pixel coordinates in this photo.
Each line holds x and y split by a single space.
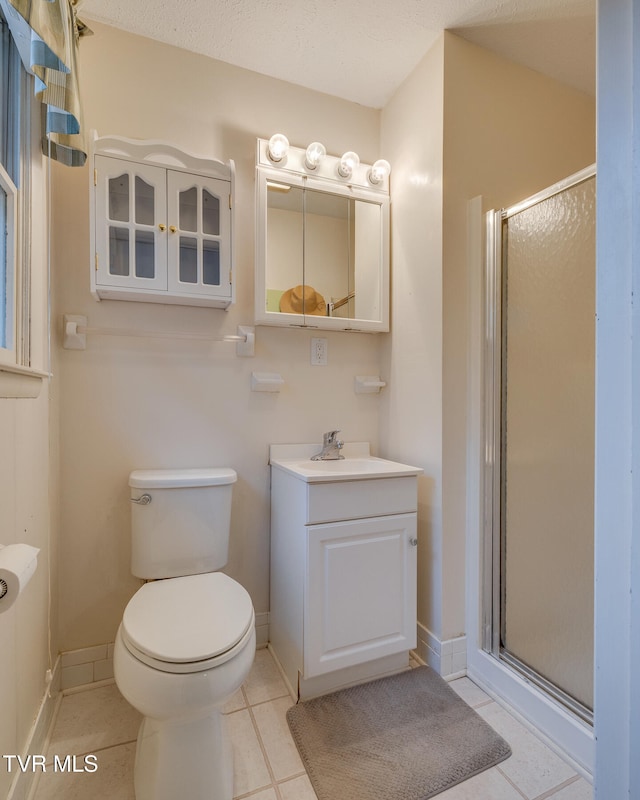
352 467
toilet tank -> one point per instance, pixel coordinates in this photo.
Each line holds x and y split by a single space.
180 521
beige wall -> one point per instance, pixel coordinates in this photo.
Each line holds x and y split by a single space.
142 403
509 132
411 422
465 123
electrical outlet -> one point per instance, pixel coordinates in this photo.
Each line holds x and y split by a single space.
319 352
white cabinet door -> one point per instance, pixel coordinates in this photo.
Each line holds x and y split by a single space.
360 593
199 235
131 217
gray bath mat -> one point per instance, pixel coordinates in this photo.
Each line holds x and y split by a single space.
405 737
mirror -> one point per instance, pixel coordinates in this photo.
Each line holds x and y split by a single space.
322 255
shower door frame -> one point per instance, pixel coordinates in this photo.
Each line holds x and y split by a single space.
493 605
559 727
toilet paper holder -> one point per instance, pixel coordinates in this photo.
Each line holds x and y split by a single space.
17 564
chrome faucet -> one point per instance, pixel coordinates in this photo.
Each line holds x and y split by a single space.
331 447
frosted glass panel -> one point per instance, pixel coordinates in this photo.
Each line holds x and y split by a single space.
118 251
211 263
188 259
145 254
189 210
119 198
548 438
144 202
210 213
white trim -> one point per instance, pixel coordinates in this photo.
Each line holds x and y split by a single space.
497 693
617 496
551 191
22 382
158 153
8 355
447 657
92 666
566 732
24 784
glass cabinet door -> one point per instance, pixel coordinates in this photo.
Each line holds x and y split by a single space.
199 261
131 224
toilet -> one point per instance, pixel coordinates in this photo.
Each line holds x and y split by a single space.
187 637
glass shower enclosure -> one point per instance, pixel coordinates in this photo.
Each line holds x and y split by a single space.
539 425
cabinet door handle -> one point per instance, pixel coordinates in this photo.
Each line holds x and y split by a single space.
172 228
413 542
162 226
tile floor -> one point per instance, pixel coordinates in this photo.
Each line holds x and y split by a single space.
99 721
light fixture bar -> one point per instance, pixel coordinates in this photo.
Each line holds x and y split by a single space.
313 162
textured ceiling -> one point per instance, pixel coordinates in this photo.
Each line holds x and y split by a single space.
361 50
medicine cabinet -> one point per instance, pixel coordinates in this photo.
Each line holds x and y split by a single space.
322 245
161 224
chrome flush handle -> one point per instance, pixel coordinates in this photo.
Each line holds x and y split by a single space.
143 500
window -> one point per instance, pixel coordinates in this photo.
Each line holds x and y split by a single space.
14 198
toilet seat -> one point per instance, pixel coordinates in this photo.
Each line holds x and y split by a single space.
188 624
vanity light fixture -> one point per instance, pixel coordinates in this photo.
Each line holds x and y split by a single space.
348 163
278 147
379 171
314 163
314 155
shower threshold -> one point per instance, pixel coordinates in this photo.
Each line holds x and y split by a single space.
584 713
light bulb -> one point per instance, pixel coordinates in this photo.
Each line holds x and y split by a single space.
379 171
348 163
314 155
278 147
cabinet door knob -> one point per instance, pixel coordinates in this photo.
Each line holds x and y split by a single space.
413 542
162 226
172 228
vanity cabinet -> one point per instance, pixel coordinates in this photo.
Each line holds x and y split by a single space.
343 577
359 593
161 224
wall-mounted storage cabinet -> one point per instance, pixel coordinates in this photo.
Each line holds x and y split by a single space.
161 224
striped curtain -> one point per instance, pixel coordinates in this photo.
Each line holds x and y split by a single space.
46 33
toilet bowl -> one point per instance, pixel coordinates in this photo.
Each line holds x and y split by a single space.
184 646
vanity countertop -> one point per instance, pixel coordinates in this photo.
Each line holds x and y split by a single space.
357 464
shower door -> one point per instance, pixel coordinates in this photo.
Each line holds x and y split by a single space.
540 440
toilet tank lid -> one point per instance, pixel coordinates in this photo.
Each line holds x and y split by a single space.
176 478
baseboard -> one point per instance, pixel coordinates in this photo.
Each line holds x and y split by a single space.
94 664
262 628
448 657
24 782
